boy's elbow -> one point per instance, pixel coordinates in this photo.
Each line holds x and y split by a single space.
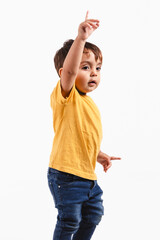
68 72
67 78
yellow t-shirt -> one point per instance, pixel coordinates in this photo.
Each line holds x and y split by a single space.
78 133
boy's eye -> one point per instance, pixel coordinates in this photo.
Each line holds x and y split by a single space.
98 68
85 67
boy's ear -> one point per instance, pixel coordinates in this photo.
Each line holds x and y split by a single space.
60 71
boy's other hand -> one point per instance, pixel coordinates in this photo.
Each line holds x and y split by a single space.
105 160
87 27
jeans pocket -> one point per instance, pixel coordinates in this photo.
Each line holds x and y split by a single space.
64 179
59 183
54 189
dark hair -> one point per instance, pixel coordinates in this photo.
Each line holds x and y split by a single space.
62 53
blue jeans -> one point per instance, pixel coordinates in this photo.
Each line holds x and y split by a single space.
79 205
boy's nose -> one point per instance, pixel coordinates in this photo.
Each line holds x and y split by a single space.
93 73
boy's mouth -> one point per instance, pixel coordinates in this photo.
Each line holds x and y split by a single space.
91 83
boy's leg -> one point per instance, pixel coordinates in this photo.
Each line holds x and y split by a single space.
68 219
85 231
69 210
92 212
69 193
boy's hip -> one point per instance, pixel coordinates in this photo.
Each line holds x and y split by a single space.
67 188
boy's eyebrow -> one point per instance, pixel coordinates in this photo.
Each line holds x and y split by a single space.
99 63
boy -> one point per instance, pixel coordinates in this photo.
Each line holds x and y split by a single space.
78 134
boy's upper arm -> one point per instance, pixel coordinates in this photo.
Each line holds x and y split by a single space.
65 93
67 80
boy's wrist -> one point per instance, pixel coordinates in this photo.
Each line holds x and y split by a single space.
80 39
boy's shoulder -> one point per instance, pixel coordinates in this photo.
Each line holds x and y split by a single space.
56 94
75 95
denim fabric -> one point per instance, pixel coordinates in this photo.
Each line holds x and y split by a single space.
79 204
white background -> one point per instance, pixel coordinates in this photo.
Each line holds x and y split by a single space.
128 99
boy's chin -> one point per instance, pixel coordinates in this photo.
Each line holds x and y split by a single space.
89 89
92 88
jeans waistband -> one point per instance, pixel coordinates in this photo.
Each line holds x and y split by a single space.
53 170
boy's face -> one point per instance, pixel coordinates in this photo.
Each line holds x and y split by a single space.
88 77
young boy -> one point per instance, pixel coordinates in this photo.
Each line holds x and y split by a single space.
78 135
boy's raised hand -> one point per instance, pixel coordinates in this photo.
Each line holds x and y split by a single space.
87 27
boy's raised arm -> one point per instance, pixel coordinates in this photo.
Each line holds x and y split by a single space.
72 62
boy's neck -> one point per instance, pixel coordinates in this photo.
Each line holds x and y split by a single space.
81 93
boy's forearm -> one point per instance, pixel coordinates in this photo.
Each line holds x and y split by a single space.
74 56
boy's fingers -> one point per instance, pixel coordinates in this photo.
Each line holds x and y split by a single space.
86 15
87 25
106 168
94 25
115 158
93 20
90 25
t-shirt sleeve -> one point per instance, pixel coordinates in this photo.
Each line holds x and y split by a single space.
57 96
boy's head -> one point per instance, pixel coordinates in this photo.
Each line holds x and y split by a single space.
88 76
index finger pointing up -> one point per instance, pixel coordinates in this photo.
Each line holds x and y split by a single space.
86 15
